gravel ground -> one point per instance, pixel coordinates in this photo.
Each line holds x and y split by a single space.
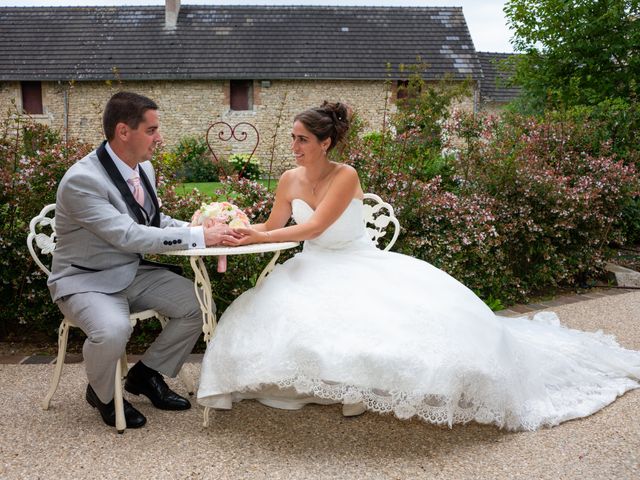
255 442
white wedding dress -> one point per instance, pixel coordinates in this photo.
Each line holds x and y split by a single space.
345 322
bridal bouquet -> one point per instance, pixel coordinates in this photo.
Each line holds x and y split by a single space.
220 213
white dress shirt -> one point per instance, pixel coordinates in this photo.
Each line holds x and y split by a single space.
196 233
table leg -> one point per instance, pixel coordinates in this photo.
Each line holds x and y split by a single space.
205 297
267 270
202 284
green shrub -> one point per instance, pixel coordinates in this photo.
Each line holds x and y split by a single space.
197 164
245 166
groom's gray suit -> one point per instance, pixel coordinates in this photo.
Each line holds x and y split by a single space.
99 272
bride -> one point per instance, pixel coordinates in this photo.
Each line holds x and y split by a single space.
343 322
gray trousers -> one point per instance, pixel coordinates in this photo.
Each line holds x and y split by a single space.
104 318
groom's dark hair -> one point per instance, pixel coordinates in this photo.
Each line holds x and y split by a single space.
125 107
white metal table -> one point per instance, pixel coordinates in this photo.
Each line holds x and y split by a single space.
202 283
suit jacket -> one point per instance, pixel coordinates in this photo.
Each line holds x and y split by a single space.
102 233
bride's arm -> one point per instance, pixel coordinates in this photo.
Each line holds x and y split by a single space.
342 190
281 210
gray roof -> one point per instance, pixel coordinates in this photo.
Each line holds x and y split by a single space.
493 86
233 42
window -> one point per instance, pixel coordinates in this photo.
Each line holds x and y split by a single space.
407 90
402 89
32 97
241 95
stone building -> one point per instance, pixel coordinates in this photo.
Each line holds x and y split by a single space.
495 91
204 64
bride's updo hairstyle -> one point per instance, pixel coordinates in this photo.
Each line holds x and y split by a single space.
330 120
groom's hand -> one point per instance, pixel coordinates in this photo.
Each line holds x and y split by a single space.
219 235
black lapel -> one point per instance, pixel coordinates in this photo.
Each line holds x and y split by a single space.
121 185
155 221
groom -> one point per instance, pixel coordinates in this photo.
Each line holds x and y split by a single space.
107 217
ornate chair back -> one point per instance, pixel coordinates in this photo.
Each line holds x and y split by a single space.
377 217
45 242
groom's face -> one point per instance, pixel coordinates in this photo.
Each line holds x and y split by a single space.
142 141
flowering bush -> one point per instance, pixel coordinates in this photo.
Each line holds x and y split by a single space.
559 199
452 231
516 204
32 162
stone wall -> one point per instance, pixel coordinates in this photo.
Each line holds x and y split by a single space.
188 108
492 108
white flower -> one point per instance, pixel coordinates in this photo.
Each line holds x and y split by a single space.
237 223
221 212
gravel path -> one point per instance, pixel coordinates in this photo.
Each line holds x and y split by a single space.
255 442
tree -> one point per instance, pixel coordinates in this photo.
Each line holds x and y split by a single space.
575 52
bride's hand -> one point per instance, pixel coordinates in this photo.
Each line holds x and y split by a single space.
248 236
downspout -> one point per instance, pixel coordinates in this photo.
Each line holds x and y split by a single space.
65 94
476 99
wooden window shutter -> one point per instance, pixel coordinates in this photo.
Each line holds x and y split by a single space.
241 94
32 97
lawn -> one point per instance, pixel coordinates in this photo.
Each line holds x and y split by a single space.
209 188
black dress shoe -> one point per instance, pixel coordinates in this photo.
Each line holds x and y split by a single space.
107 411
146 381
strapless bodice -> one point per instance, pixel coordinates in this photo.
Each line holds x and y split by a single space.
347 232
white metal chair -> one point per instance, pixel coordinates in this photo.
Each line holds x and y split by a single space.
377 215
46 245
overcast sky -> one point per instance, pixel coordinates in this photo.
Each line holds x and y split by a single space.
484 17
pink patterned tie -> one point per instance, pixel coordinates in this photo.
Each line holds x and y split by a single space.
138 192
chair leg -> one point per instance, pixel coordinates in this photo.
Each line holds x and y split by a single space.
121 423
63 336
187 381
205 419
124 366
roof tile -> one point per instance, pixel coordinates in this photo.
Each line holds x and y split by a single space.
222 42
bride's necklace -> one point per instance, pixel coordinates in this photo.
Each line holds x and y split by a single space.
314 186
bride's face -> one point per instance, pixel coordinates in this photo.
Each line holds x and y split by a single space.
306 147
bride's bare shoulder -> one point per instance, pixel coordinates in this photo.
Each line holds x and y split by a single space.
291 174
347 172
346 169
290 177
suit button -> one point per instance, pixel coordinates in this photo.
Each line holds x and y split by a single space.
179 240
165 242
193 245
174 242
